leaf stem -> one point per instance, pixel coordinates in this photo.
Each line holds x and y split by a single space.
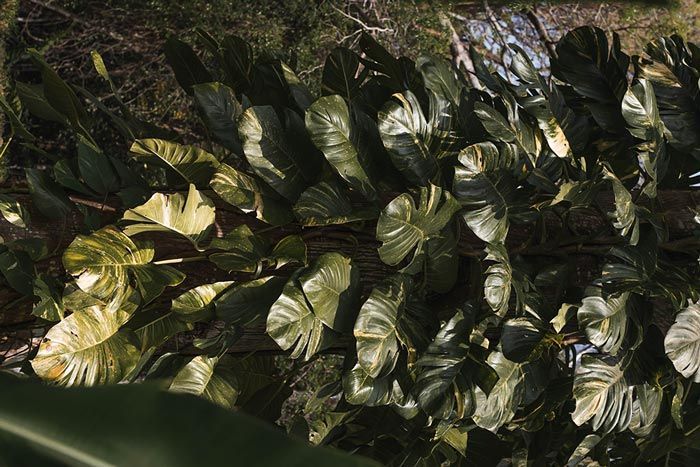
190 259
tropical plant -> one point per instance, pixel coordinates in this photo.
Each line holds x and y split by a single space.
508 272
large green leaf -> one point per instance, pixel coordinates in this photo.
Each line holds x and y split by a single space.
342 73
442 388
139 425
59 94
498 408
95 168
204 377
376 328
644 122
519 338
292 323
403 227
271 153
47 196
194 165
596 70
406 136
104 262
499 278
682 342
671 67
484 187
332 288
625 215
88 347
188 69
248 302
191 216
244 192
196 303
332 130
602 394
245 251
220 109
604 320
359 388
442 259
326 203
645 409
13 212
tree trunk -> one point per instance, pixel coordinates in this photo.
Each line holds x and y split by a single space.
585 239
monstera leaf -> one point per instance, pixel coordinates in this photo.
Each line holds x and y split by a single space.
406 136
644 122
332 288
246 252
403 227
673 73
194 165
550 114
645 409
625 215
244 192
204 377
682 343
220 109
292 323
499 278
196 304
359 388
326 203
498 408
272 155
604 320
192 217
88 347
376 327
104 262
597 71
442 388
602 394
484 187
332 130
442 260
248 302
519 338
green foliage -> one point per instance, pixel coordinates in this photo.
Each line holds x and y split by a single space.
454 354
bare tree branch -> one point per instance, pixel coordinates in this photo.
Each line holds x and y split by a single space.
460 54
531 14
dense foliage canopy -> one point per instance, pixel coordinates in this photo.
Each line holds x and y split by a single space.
480 335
